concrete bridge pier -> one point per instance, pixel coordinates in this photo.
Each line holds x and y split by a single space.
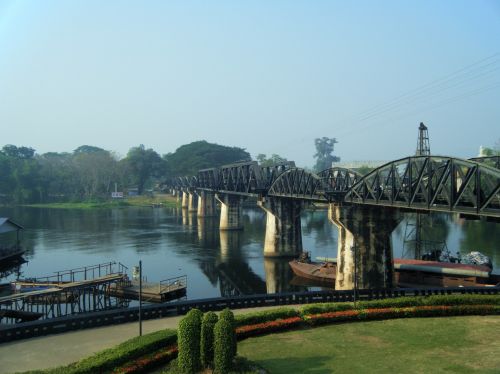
283 227
364 245
185 199
206 204
230 213
192 202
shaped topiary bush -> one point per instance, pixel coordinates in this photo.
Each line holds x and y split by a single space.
188 340
207 339
223 346
228 316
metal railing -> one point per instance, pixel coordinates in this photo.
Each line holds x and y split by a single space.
82 273
108 317
172 284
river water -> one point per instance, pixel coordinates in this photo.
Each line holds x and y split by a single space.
172 243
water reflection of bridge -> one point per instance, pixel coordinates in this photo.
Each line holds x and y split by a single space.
229 268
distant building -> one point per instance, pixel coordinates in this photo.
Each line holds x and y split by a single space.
133 191
358 164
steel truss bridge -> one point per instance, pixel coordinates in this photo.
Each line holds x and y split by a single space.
428 183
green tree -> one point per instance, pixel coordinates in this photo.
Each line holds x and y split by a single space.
190 158
364 169
87 149
324 149
18 152
273 160
143 164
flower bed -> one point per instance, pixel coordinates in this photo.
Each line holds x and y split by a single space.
266 327
387 313
149 361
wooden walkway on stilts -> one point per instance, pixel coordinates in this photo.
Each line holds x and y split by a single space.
169 289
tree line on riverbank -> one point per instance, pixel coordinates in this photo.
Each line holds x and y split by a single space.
91 173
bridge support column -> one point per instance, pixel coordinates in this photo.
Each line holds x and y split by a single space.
192 202
283 227
185 199
206 204
364 245
230 213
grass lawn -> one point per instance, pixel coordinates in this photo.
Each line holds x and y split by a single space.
416 345
144 200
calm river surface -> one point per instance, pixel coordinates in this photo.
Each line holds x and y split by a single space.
171 244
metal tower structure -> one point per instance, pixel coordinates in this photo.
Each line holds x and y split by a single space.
413 238
423 146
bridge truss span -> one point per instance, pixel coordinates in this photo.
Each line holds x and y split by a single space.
298 183
328 185
436 183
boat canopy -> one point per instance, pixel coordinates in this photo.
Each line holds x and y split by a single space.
7 225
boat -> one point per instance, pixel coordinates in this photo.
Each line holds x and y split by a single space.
407 273
318 272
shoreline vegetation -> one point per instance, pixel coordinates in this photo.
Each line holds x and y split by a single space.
157 200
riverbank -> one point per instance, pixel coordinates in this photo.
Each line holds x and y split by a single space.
157 200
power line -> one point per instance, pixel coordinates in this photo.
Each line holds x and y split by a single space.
434 82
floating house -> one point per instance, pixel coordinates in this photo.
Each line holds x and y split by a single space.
10 241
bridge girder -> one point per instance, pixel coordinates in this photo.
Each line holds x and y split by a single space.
488 160
328 185
298 183
435 183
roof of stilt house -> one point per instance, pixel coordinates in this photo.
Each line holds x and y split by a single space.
7 225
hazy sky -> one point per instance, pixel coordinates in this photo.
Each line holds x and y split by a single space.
268 76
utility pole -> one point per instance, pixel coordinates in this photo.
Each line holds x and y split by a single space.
140 297
353 248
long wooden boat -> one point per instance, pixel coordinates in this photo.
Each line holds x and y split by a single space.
409 273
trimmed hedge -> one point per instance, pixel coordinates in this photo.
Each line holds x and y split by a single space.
409 312
228 315
265 316
207 338
111 358
223 346
189 342
403 302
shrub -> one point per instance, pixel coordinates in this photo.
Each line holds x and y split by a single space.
148 362
403 302
124 352
228 316
207 338
265 316
223 346
325 307
189 342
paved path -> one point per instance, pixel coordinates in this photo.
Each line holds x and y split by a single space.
62 349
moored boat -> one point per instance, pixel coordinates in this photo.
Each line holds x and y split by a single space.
408 273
